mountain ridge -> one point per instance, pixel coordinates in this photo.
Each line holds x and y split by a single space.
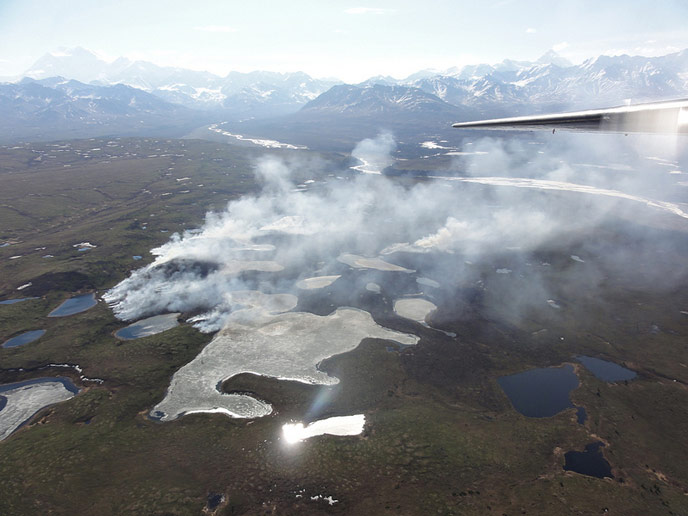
505 87
277 104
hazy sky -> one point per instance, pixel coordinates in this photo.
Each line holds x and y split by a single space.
351 40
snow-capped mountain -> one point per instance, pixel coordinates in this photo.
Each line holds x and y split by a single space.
509 87
376 99
104 96
241 94
552 83
345 114
59 108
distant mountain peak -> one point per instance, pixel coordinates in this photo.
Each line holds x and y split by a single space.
73 52
552 57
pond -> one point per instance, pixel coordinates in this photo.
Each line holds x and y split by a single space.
24 338
605 370
24 399
590 462
74 305
18 300
149 326
540 392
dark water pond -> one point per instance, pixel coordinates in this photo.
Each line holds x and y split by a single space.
150 326
3 402
590 462
605 370
214 501
24 338
74 305
19 300
540 392
581 415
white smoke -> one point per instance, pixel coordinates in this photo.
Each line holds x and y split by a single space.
270 241
375 154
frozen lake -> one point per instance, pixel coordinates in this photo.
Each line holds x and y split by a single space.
24 399
287 346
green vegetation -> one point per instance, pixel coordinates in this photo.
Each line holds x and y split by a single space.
441 437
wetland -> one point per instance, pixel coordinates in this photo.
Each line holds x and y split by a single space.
439 428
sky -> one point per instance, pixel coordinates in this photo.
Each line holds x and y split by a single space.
351 40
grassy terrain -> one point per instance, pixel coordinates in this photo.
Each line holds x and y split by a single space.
441 436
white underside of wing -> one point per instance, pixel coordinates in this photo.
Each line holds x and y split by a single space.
655 117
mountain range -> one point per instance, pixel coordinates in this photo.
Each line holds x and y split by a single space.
77 93
238 94
60 108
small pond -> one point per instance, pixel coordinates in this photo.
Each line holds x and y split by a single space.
149 326
214 500
24 338
605 370
74 305
540 392
19 300
590 462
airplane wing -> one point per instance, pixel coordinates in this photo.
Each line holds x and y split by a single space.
657 117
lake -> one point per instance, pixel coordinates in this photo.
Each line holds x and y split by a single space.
149 326
590 462
540 392
24 338
74 305
605 370
19 300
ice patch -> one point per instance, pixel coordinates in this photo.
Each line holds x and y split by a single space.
25 400
317 282
427 282
238 266
287 346
361 262
416 309
373 287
